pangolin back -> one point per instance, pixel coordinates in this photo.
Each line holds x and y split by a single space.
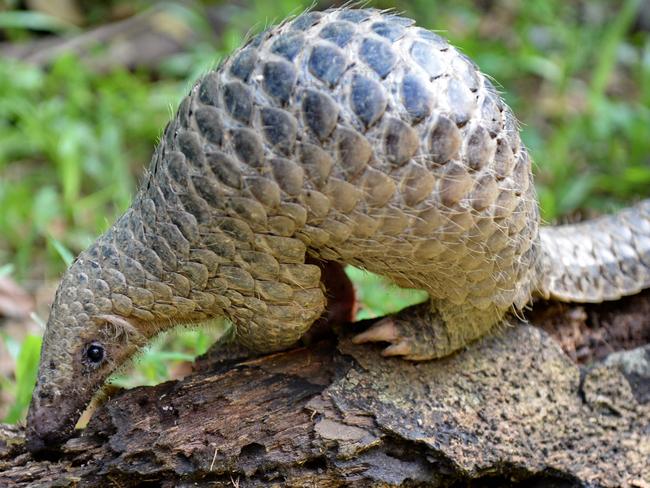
357 137
351 136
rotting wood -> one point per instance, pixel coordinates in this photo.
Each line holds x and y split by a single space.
512 410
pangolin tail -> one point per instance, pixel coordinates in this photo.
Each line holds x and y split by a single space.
598 260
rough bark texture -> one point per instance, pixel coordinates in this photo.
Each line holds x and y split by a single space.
511 410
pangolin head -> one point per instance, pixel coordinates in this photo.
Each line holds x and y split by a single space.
84 342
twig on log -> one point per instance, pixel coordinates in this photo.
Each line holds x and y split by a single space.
143 40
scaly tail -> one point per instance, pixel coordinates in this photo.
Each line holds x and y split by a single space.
600 259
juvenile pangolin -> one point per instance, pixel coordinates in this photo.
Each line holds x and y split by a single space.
348 136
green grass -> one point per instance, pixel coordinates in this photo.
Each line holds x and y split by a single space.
70 147
25 356
73 143
378 297
163 358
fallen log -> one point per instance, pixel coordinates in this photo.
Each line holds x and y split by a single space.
511 410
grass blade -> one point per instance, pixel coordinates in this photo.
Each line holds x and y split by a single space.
26 371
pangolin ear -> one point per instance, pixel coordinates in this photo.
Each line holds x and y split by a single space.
121 329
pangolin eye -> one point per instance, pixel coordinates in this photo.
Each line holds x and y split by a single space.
95 352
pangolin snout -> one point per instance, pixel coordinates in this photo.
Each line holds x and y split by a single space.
48 426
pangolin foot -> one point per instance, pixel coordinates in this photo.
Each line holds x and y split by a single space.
410 333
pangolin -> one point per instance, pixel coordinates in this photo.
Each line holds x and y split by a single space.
349 136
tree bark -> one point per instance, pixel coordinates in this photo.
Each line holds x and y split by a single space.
511 410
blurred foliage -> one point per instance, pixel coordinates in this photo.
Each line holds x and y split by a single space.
170 355
26 355
378 296
73 142
71 145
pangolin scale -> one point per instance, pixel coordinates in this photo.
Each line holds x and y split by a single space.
351 136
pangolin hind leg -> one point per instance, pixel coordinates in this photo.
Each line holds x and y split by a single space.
430 330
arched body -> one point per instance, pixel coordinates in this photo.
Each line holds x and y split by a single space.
348 135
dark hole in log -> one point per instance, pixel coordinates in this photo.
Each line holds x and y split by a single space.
590 332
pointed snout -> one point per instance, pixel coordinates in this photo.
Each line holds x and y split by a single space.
50 423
